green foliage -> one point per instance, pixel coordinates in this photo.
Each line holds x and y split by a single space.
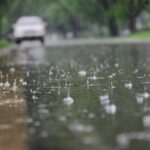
142 35
3 43
73 15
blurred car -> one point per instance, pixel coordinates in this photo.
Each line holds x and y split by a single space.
29 28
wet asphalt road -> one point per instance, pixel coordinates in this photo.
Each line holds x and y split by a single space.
78 95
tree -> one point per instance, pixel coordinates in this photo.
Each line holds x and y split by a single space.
98 11
74 15
132 9
113 13
3 6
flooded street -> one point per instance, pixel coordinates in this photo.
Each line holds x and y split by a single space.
88 97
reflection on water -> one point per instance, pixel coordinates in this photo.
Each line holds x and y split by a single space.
86 98
30 52
13 125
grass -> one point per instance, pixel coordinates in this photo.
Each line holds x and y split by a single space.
3 43
142 35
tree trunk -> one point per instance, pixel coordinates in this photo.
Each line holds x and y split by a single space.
132 24
0 28
113 27
75 27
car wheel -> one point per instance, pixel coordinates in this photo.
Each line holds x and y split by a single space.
42 40
18 41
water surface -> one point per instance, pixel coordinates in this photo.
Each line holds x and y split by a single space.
83 97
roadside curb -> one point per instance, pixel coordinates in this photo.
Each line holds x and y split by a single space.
5 51
89 42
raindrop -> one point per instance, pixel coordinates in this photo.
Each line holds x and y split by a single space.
112 86
139 98
77 127
91 115
43 111
123 140
146 121
94 77
1 84
14 88
104 99
68 100
34 97
82 73
12 70
62 118
24 83
146 95
6 84
112 76
44 134
116 65
135 71
1 75
111 109
128 85
88 84
28 73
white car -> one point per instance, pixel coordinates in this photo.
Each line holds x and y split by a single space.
29 28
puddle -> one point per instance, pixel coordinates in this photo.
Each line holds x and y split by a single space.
75 98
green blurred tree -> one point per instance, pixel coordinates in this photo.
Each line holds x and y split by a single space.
73 15
3 6
131 9
112 13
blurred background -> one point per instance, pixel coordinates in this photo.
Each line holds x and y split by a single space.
81 18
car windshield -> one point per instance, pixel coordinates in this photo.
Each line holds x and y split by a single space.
29 21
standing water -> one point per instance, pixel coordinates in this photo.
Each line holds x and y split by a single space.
82 97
